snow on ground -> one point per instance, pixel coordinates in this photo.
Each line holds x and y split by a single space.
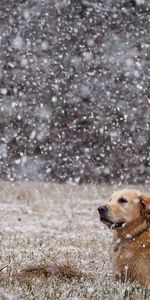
55 230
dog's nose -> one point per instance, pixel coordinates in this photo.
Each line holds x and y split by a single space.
102 210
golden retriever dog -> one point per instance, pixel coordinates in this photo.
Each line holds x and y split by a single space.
128 215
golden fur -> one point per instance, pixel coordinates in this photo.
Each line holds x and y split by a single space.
128 214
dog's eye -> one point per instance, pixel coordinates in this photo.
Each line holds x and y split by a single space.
122 200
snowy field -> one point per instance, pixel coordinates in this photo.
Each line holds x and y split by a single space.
74 107
53 245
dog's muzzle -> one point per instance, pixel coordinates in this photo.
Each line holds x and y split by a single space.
103 211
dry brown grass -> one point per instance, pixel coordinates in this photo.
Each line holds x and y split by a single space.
64 270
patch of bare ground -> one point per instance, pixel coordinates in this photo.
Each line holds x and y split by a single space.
52 245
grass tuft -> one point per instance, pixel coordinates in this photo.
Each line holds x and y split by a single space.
63 270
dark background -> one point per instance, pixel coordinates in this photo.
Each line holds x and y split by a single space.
75 90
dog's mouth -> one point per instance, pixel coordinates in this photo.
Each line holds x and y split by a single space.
119 225
111 224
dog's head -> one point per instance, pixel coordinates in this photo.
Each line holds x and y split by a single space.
126 207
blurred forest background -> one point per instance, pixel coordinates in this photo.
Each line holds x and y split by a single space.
75 90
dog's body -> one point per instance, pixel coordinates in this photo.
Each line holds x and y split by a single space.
128 214
131 259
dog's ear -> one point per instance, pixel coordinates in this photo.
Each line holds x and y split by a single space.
145 202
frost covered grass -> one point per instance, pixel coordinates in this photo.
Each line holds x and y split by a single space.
53 245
